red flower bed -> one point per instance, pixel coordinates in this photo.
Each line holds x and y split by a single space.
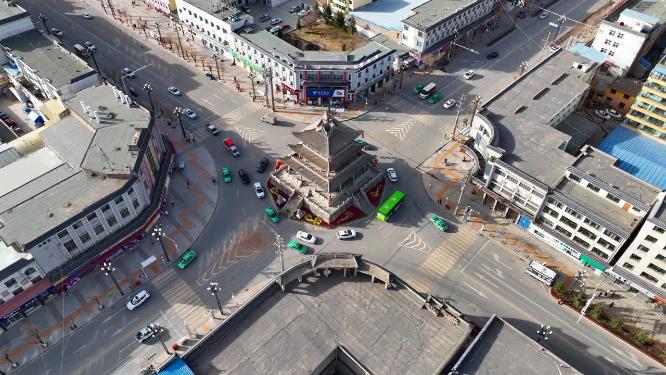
350 214
375 194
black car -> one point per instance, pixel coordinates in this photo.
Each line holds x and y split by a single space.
3 116
245 178
263 164
492 55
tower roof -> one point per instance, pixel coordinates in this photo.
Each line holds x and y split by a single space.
327 136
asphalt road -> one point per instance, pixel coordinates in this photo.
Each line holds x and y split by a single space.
479 278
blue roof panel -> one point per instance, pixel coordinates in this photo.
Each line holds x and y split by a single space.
638 155
177 367
588 52
640 16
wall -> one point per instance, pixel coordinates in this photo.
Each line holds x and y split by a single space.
621 46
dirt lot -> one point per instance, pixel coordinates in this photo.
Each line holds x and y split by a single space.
331 38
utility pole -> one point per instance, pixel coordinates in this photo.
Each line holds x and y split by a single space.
108 270
43 18
402 69
92 56
159 33
159 234
217 67
279 249
545 43
251 76
462 190
179 113
214 289
460 106
270 78
180 44
148 89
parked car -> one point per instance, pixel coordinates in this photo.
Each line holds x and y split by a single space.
258 190
244 176
468 75
186 259
346 234
276 21
449 103
127 72
226 175
272 215
294 9
174 91
492 55
189 113
86 15
613 113
417 89
3 116
307 237
56 32
264 17
91 47
439 222
263 164
298 247
303 12
212 129
210 76
554 48
137 300
275 29
434 98
543 15
147 332
392 174
602 114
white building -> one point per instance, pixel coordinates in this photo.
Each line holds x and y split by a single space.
347 5
435 24
645 257
13 20
164 6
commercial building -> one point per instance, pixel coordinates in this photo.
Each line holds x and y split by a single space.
643 264
325 179
648 113
312 77
435 24
164 6
83 191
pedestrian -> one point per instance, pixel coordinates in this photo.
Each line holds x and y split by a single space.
446 162
611 305
172 203
439 201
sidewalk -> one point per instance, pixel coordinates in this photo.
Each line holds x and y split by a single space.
183 222
443 182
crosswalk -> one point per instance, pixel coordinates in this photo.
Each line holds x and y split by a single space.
185 304
238 114
249 135
443 258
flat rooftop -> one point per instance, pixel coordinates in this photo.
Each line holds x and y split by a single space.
295 332
82 162
430 13
638 155
654 8
522 113
9 13
52 62
501 349
216 8
388 14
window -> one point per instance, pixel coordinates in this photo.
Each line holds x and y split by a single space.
99 228
135 203
607 42
30 270
651 239
658 229
587 233
85 238
18 291
647 276
62 235
106 208
568 222
124 212
111 220
70 245
628 266
611 53
659 257
620 35
10 283
580 241
613 198
604 50
593 188
635 257
405 27
643 248
656 268
118 200
573 177
611 33
616 44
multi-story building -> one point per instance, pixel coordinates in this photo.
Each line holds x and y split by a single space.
347 5
643 264
435 24
164 6
648 113
313 77
83 192
627 40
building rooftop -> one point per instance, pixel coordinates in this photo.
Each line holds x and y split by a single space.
522 114
298 331
588 52
217 9
500 348
388 14
9 13
430 13
638 155
646 18
654 8
48 59
81 163
11 260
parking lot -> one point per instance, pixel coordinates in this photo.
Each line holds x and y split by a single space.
281 11
16 122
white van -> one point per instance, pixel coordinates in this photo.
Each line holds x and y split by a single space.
428 90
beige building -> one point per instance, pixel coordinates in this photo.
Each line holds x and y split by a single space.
347 5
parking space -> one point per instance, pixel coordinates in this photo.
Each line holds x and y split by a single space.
281 11
12 114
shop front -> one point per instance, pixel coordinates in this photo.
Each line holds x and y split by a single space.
335 97
22 305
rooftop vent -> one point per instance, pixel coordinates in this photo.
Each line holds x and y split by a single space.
520 109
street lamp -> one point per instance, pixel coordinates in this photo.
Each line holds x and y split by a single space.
148 89
8 359
251 76
544 332
214 289
179 113
217 67
92 53
43 18
158 334
108 270
159 234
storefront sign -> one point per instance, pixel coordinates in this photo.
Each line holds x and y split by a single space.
336 93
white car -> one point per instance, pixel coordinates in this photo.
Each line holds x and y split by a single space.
469 74
543 16
212 129
56 32
449 104
128 73
137 300
174 91
258 190
346 234
306 237
189 113
392 174
275 29
86 15
91 46
613 113
554 48
303 12
276 21
602 114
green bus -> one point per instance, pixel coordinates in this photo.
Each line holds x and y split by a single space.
390 206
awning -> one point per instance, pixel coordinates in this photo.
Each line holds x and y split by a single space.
246 61
177 367
584 259
14 305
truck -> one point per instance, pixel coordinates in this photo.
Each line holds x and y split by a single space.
81 50
229 143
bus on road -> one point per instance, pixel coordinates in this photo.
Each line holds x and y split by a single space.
391 205
540 272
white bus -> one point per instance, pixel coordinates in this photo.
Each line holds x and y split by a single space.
428 90
540 272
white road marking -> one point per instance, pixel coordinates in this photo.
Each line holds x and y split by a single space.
476 290
472 258
499 261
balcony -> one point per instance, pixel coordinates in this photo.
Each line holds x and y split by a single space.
31 88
